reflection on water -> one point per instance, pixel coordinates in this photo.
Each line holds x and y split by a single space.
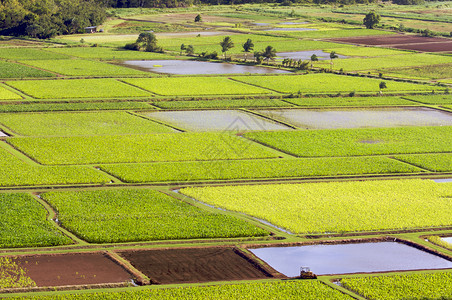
185 67
349 258
210 120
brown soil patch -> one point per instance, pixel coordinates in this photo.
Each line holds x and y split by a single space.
193 265
427 47
73 269
391 40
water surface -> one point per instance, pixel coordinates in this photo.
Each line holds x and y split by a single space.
447 239
186 67
306 55
349 258
361 118
212 120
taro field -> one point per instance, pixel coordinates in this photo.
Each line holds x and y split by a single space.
161 175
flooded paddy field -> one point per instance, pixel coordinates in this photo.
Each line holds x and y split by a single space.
212 120
73 269
447 239
306 55
194 265
186 67
360 118
349 258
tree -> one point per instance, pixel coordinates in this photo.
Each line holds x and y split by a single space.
313 59
248 46
148 42
382 85
226 44
333 55
182 48
371 19
190 50
258 56
269 53
198 18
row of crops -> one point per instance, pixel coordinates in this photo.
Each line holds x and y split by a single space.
131 215
201 86
428 286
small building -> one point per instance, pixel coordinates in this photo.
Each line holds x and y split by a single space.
91 29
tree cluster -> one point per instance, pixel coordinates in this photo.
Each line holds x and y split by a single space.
48 18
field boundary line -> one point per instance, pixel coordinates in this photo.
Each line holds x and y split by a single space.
255 85
269 118
340 288
52 217
19 154
135 86
133 113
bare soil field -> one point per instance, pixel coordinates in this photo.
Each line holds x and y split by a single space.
73 269
405 42
193 265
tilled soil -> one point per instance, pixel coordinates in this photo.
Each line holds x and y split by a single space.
73 269
193 265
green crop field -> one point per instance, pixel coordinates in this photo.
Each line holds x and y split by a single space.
337 206
140 215
413 286
40 107
105 53
16 172
328 83
437 240
12 70
351 101
393 61
305 289
77 88
73 124
195 86
435 162
6 94
79 67
225 103
24 223
429 71
339 33
139 148
351 142
268 168
432 99
28 53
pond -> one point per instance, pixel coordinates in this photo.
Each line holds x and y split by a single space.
306 55
185 67
360 118
349 258
211 120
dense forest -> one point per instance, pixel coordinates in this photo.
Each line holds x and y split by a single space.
48 18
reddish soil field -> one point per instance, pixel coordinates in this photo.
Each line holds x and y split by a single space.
193 265
73 269
429 47
406 42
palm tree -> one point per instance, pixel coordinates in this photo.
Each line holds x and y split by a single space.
313 59
248 46
333 55
269 53
226 44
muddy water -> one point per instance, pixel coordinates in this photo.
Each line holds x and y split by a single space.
306 55
185 67
361 118
211 120
349 258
